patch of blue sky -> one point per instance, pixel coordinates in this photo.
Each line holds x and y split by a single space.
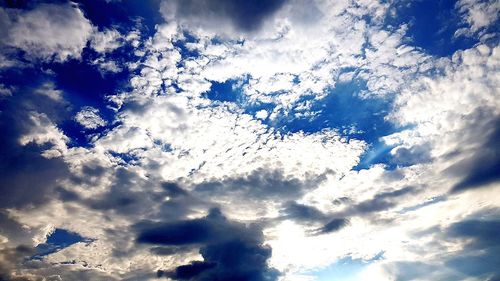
58 240
354 116
18 77
123 15
228 91
83 84
346 110
186 52
345 269
126 158
431 25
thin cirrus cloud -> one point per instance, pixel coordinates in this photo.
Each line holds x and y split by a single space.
249 140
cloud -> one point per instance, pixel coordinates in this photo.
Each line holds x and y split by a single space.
48 32
231 250
243 15
31 147
89 118
478 14
301 212
334 225
140 188
310 215
469 150
482 167
477 242
106 40
478 258
260 185
383 201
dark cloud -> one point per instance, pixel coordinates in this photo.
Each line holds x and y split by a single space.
413 155
334 225
11 258
259 185
479 257
243 15
382 201
169 250
301 212
479 235
309 214
26 177
123 196
230 250
484 165
173 189
134 196
189 271
335 221
341 200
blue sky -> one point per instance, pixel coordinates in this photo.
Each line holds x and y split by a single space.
283 140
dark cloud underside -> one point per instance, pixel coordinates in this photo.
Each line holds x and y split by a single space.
244 15
230 250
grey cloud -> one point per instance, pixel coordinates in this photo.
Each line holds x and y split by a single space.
230 250
301 212
311 215
261 184
134 196
484 166
173 189
413 155
334 225
245 16
480 142
383 201
478 258
26 177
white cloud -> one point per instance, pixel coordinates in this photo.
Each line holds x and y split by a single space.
43 131
470 84
261 114
106 41
48 90
89 118
235 142
49 31
478 14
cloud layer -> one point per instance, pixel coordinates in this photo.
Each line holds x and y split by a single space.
248 140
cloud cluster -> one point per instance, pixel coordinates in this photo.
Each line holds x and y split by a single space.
49 31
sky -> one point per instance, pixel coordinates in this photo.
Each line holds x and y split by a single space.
263 140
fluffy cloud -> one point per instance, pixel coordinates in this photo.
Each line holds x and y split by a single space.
89 118
49 31
106 41
478 14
